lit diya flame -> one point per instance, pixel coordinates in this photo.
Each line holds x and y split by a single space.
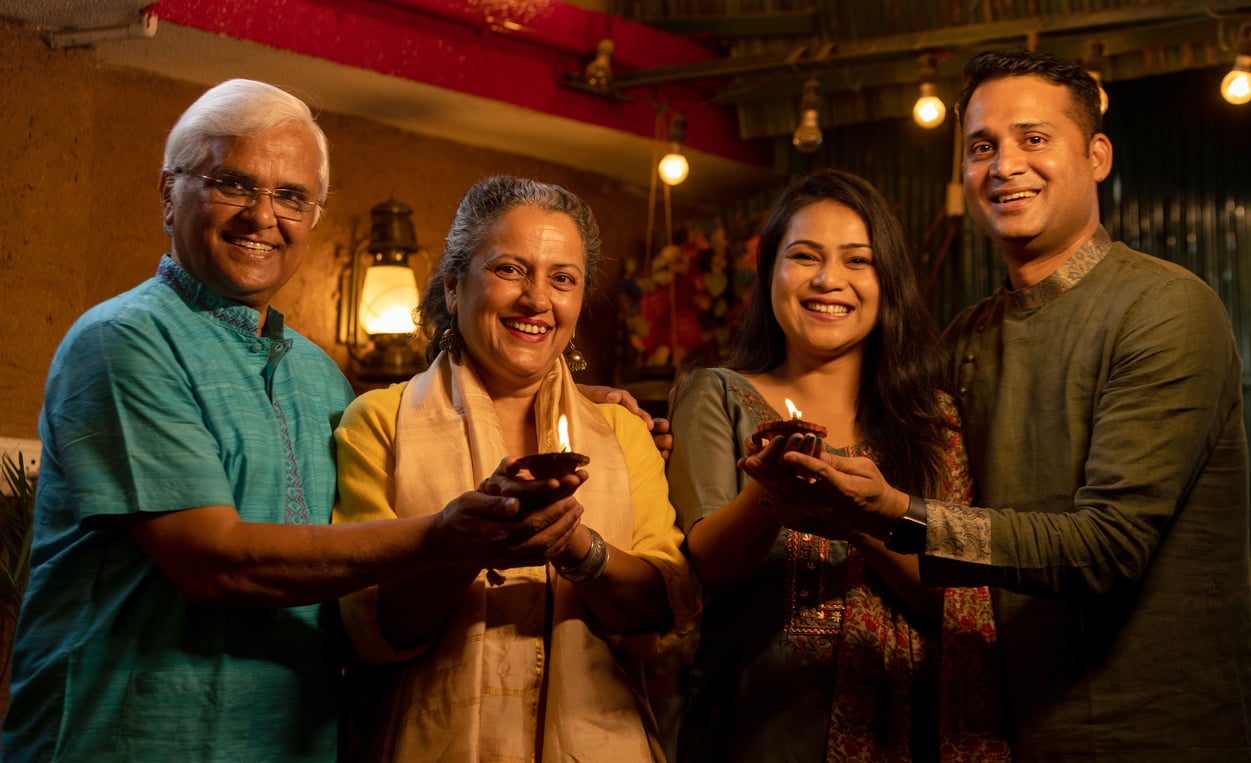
786 427
555 465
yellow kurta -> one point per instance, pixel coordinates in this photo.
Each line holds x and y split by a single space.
523 658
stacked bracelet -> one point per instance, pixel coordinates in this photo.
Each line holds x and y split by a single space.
592 565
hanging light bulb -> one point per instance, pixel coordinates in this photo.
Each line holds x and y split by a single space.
598 73
1236 87
1093 63
673 168
807 137
929 111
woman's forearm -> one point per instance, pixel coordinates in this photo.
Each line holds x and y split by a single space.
629 597
729 545
903 574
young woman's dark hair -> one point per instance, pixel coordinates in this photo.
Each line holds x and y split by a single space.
897 407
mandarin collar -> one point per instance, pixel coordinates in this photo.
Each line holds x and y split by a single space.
240 317
1070 272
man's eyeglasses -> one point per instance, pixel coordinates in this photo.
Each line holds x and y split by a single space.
289 204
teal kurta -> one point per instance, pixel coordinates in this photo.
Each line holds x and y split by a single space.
1103 421
161 399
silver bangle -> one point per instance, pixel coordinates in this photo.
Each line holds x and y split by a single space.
592 565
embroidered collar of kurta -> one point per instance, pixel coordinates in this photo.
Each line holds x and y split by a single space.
1066 276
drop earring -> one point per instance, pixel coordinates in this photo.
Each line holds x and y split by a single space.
574 357
451 343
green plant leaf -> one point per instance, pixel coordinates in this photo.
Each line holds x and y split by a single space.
17 511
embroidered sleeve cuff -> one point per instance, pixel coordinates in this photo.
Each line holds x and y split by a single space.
959 533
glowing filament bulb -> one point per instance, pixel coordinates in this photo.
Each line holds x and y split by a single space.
929 111
674 168
1236 87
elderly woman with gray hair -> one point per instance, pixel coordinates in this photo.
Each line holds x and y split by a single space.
520 634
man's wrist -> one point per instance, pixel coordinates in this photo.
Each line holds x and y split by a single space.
910 530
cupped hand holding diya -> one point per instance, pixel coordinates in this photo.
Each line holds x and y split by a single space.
538 480
769 431
789 487
531 476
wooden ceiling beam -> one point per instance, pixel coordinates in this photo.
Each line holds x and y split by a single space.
801 61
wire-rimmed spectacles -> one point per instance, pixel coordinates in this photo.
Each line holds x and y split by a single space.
289 203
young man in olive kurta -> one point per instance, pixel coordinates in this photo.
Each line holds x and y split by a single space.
1100 391
1101 394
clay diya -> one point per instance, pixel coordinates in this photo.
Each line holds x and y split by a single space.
787 427
544 466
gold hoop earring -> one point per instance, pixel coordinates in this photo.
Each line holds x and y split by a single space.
574 357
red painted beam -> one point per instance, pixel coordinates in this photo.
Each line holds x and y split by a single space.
512 51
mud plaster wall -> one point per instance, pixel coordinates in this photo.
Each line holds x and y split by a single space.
81 146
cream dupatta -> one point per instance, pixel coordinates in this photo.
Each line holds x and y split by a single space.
517 671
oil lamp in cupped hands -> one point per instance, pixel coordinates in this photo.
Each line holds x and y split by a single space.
767 431
543 466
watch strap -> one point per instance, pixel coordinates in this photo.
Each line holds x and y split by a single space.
908 535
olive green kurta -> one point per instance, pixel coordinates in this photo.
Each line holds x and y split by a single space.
1103 420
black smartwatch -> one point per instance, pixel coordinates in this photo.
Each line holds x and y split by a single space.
908 536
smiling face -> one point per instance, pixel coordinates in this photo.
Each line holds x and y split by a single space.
825 289
518 303
243 253
1030 174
